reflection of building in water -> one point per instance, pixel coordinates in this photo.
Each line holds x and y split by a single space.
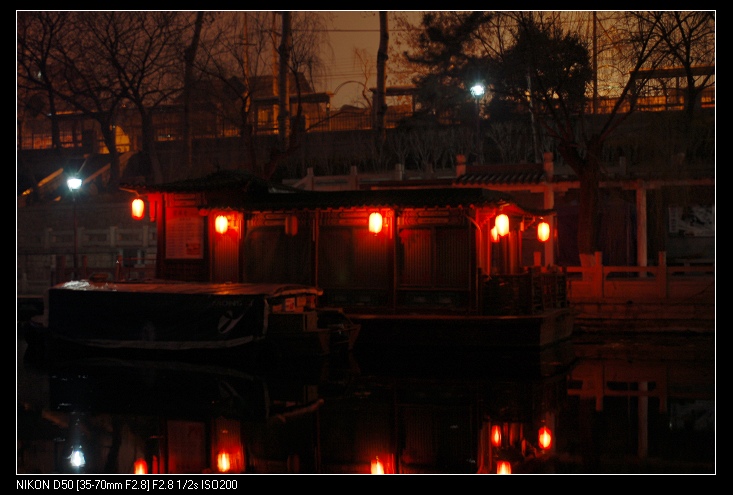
602 406
662 392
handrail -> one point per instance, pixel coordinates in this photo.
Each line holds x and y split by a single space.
641 283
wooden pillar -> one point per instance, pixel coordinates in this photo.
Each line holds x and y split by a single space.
641 226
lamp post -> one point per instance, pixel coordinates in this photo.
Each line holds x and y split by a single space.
74 184
477 91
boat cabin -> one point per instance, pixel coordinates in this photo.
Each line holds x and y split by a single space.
408 250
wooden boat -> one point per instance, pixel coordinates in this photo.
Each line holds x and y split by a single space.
174 317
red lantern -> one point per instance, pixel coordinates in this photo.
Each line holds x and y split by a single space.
543 231
494 234
138 209
503 467
496 436
141 467
502 224
375 222
545 438
221 224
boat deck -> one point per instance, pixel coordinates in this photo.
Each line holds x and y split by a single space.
176 287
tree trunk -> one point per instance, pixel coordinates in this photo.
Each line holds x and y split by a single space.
380 105
110 140
283 116
189 58
148 146
588 169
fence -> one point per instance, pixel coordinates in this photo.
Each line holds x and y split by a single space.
46 257
694 279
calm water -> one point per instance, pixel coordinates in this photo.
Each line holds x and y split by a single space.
623 404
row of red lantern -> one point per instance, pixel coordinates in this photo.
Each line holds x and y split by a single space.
501 228
376 223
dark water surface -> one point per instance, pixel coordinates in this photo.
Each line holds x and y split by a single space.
618 404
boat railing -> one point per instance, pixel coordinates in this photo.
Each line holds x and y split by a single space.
528 293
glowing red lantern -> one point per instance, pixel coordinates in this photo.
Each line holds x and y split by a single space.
545 438
494 234
375 222
377 466
503 467
221 224
502 224
496 436
138 209
141 467
543 231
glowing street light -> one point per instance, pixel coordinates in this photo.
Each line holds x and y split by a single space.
74 184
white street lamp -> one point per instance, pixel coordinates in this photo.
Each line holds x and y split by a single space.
74 184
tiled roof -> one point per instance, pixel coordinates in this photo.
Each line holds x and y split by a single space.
502 177
217 181
243 191
382 198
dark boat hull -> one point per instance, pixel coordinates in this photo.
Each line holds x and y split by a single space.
464 332
169 316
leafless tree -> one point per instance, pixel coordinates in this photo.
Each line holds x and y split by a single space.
143 52
189 59
55 47
39 35
687 45
381 100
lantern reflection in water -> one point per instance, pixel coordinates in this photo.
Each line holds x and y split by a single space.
504 467
377 466
545 438
496 436
223 463
141 467
227 446
383 464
